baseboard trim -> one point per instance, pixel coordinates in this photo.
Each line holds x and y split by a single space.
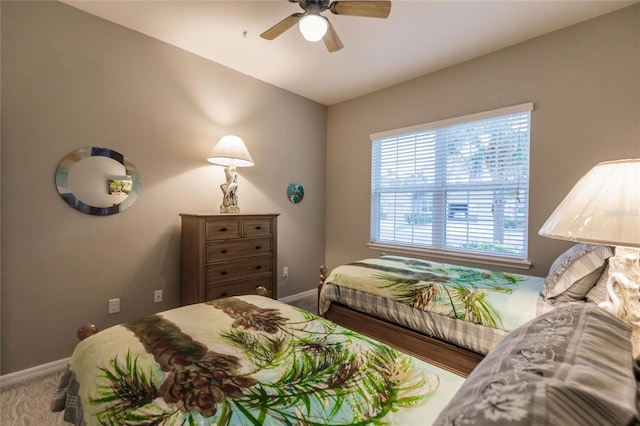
297 296
36 372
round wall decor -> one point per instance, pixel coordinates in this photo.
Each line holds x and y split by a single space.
295 192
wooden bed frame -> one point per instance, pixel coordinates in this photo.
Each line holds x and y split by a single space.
434 351
86 330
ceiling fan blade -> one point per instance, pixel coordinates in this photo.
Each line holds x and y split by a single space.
331 39
281 26
372 9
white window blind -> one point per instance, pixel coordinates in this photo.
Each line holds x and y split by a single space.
458 185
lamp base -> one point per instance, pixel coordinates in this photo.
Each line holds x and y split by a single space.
230 191
229 209
623 291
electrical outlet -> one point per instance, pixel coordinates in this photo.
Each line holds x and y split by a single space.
157 296
114 306
285 271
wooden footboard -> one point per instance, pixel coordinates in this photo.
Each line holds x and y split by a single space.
434 351
86 330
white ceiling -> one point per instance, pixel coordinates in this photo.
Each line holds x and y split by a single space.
418 37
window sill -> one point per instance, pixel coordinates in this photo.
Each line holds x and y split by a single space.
449 256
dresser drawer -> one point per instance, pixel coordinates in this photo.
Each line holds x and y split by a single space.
222 229
239 288
233 249
259 227
241 268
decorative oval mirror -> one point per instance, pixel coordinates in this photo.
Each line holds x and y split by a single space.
98 181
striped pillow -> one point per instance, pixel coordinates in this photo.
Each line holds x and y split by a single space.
598 292
575 272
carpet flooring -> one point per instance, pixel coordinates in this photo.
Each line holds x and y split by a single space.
307 301
27 404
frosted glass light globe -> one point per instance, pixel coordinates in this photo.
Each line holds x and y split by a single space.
313 27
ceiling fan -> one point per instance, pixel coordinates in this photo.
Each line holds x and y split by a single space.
315 27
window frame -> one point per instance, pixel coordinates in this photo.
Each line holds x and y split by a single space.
517 262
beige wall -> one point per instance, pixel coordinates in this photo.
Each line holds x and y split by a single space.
71 80
584 81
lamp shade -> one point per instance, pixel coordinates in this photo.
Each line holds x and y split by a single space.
602 208
313 27
230 150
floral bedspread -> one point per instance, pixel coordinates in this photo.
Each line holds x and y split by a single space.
494 299
250 360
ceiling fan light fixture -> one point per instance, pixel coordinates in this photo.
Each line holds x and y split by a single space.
313 27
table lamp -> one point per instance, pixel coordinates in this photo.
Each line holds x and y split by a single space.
604 208
230 152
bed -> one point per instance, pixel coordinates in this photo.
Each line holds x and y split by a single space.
246 360
249 360
450 315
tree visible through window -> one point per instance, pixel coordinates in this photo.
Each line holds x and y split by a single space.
459 184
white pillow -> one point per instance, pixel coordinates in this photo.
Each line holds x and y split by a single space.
575 272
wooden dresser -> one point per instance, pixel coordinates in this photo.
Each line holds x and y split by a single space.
228 255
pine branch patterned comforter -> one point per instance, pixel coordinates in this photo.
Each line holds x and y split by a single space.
246 360
495 299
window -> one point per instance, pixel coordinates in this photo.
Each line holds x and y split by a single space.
455 186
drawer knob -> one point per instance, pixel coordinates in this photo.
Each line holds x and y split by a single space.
223 229
258 267
223 251
258 228
223 272
261 290
258 247
223 294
